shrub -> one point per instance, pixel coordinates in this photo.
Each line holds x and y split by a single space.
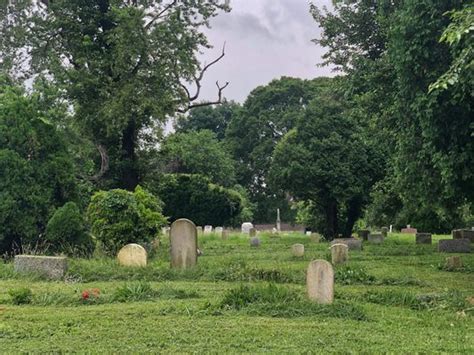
66 231
119 217
21 295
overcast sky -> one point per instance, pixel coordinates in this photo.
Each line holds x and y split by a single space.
265 39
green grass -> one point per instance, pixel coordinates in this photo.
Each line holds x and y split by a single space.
394 297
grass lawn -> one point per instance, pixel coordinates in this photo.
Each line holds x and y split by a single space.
394 297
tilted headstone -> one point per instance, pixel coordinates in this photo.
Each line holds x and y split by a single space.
339 253
53 267
315 237
252 232
423 238
375 238
225 234
218 230
207 229
364 234
183 244
254 242
245 228
132 255
384 231
453 262
352 243
320 282
297 250
199 230
454 246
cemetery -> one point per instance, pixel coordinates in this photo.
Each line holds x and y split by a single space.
236 176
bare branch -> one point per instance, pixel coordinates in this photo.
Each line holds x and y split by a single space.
207 103
104 164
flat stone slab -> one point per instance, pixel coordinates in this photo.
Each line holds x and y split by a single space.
352 243
53 267
423 238
454 246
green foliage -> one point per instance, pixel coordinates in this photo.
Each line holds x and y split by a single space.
195 198
36 170
119 217
198 152
139 291
347 276
66 231
22 295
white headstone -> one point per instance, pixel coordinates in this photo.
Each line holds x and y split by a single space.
218 230
246 227
183 244
132 255
207 229
320 282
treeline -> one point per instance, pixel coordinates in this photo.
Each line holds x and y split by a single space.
389 141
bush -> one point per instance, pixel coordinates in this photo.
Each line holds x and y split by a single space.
66 231
119 217
21 295
195 198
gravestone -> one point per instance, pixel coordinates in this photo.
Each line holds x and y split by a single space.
252 232
254 242
132 255
352 243
315 237
199 230
183 244
218 230
278 221
245 228
464 234
320 282
384 231
454 246
423 238
453 262
375 238
409 230
225 234
53 267
364 234
308 233
207 230
297 250
339 253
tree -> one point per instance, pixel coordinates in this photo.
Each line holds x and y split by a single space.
198 152
36 171
214 118
123 65
267 115
324 162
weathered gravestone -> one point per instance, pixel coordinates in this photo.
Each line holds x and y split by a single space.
132 255
464 234
53 267
352 243
245 228
308 233
199 230
339 253
315 237
423 238
384 231
454 246
363 234
409 230
297 250
375 238
218 230
252 232
207 229
254 242
320 282
225 234
453 262
183 244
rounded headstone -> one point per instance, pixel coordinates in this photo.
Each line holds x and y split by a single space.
297 250
254 242
207 229
252 232
315 237
132 255
245 228
183 244
320 282
339 253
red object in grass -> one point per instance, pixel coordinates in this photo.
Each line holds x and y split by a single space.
85 295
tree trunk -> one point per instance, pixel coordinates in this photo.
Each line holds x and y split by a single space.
331 220
353 213
129 178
